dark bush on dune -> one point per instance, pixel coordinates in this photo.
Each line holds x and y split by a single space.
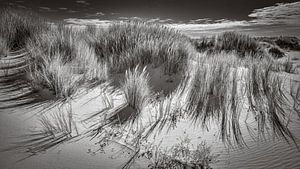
228 42
203 44
276 52
284 42
241 43
291 43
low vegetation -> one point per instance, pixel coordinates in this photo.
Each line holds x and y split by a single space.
228 42
19 26
284 42
181 155
217 74
137 90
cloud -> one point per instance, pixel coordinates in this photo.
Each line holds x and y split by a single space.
71 11
83 2
63 8
46 9
83 22
280 13
279 19
115 13
209 26
95 15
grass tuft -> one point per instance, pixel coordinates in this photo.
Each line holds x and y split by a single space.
136 89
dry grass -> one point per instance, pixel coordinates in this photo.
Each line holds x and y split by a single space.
125 45
136 89
228 42
19 26
3 47
55 128
65 60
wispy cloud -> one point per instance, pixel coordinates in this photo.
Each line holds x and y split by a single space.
63 8
71 11
95 15
83 22
279 19
115 13
82 2
209 26
46 9
281 13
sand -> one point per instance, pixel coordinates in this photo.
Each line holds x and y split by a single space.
85 153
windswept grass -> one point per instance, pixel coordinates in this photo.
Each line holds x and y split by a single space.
125 45
55 128
216 92
19 26
62 61
136 89
232 71
3 47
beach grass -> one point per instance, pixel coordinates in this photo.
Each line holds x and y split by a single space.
220 75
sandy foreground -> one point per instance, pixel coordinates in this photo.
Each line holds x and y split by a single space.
85 153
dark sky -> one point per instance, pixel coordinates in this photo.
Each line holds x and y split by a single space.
194 17
183 10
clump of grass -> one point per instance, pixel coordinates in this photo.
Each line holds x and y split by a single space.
125 45
136 89
19 26
62 61
228 42
216 88
203 44
267 100
56 77
3 48
212 94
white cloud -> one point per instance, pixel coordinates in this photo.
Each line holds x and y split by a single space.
63 8
94 15
281 13
209 26
46 9
71 11
83 22
83 2
280 19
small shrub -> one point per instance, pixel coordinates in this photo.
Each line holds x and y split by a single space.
276 52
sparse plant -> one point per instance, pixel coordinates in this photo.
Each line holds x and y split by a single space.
182 155
136 89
